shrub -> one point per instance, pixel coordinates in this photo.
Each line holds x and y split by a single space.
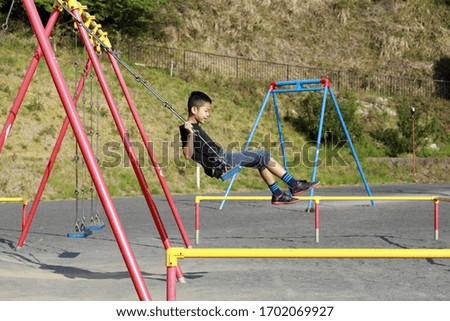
398 139
308 117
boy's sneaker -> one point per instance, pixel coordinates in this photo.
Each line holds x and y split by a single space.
303 186
284 199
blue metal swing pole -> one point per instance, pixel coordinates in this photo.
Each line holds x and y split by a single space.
280 131
319 136
250 137
351 144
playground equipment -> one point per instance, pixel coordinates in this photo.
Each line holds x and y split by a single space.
317 200
83 226
94 40
173 255
293 86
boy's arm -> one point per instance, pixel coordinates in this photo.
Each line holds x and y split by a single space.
188 149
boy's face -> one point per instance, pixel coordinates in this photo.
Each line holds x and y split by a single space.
201 114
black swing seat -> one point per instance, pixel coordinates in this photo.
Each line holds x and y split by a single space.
231 173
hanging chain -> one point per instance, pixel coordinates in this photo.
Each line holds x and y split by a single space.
91 134
5 25
97 139
76 157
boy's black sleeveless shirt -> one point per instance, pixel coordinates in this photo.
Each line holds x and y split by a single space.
202 152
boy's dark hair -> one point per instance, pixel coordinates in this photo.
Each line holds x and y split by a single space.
197 99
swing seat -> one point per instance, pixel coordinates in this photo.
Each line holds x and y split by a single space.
81 234
79 231
231 173
96 224
95 227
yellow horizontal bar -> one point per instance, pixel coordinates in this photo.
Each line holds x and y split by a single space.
13 200
321 198
175 254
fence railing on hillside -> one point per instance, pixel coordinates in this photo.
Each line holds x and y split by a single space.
244 68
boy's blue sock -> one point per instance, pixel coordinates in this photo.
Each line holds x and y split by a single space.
288 179
275 189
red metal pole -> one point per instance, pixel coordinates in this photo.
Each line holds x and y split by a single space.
150 152
87 152
52 160
24 213
317 219
26 82
123 134
171 285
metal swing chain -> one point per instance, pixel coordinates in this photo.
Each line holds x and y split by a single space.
76 157
91 134
5 25
83 164
97 140
143 82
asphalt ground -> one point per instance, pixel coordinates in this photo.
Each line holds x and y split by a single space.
50 266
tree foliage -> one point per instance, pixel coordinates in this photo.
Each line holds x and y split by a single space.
138 19
308 118
398 139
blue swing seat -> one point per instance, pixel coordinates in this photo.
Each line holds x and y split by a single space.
95 227
81 234
231 173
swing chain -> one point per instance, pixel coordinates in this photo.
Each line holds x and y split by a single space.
5 24
79 226
95 219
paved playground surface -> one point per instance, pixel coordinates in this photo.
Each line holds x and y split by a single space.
52 266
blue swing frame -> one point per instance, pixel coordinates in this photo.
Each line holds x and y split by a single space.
291 86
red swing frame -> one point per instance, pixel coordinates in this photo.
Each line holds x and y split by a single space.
45 49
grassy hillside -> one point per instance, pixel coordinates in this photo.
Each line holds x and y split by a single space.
31 140
396 37
400 37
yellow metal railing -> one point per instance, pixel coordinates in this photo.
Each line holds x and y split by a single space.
317 200
173 255
17 200
13 200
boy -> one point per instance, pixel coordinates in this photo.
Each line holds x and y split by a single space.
198 146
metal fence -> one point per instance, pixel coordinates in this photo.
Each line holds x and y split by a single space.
238 67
